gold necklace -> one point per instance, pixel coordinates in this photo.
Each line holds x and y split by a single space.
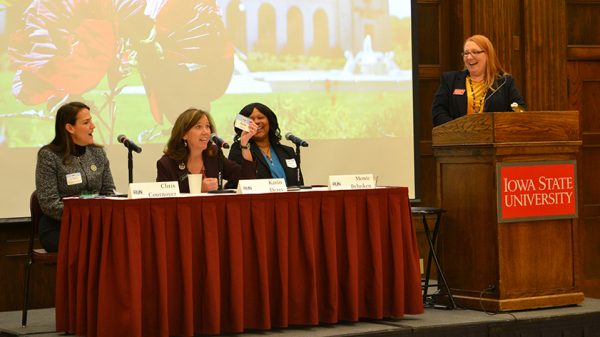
266 153
476 107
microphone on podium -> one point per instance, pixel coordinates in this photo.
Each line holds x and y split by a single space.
128 143
298 141
516 107
219 142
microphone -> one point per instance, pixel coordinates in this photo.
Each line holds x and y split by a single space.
516 107
298 141
128 143
218 141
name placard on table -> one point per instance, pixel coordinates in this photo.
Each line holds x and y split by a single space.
352 182
252 186
161 189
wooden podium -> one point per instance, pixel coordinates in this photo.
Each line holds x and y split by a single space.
504 266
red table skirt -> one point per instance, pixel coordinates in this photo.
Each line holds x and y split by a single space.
226 263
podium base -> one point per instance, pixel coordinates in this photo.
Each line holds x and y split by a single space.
522 303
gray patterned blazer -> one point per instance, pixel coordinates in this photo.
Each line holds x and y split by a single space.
51 181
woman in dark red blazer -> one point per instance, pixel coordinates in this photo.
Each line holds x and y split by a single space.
190 151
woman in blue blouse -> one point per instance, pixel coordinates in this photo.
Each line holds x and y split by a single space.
274 160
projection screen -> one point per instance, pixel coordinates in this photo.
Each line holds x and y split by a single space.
338 73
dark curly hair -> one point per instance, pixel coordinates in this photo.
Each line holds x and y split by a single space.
274 132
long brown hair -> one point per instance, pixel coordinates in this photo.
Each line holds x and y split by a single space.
63 144
493 68
176 148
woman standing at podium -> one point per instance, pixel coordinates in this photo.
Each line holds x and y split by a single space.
482 86
71 165
190 151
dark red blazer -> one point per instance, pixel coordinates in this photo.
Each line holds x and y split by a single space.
168 169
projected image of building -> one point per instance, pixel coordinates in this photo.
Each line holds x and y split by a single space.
315 27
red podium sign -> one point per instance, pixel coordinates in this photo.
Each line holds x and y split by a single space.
536 190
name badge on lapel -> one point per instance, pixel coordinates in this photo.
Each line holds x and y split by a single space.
74 178
291 163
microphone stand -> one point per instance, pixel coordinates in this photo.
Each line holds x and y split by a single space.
220 188
298 169
130 165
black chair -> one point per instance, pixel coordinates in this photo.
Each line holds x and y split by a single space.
35 255
431 240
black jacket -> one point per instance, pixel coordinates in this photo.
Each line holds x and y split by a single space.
286 155
450 101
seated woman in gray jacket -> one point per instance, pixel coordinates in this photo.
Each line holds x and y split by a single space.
70 165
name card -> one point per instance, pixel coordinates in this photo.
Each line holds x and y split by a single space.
352 182
252 186
161 189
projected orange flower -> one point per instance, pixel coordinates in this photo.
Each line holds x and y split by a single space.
66 47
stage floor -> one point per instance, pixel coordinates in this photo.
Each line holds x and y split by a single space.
581 320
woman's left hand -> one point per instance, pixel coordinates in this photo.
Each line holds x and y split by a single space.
209 184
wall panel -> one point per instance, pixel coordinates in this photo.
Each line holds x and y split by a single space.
584 24
583 69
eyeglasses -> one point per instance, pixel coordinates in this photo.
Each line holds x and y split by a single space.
471 53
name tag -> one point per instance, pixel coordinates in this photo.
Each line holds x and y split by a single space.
74 178
351 182
242 122
252 186
291 163
459 92
161 189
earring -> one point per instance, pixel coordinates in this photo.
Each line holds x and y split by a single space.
185 143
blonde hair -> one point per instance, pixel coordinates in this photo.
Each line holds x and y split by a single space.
493 67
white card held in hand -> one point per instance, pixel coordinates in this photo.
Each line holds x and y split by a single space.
242 122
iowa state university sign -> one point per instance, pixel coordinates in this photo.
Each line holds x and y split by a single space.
536 190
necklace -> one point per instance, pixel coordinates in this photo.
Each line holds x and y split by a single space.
476 107
267 153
